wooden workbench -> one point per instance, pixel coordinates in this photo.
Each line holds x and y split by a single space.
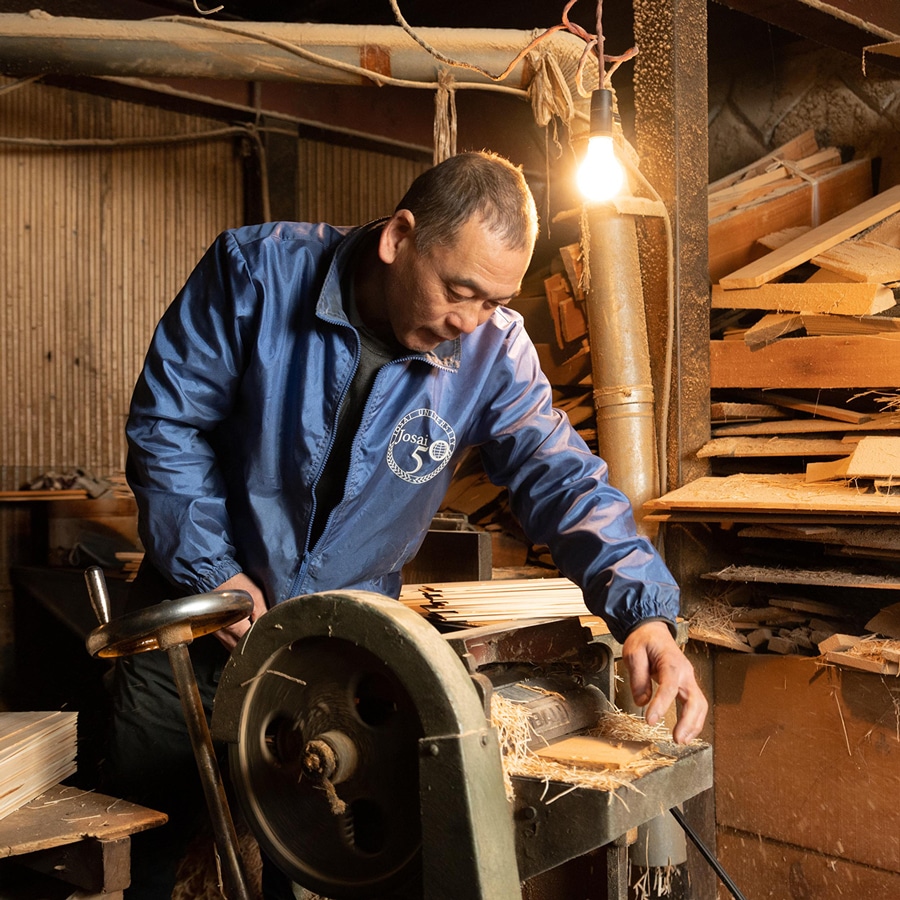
79 837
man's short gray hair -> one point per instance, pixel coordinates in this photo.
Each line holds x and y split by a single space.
477 183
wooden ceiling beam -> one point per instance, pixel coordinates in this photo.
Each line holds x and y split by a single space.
846 25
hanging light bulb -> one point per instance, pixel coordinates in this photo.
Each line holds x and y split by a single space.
600 175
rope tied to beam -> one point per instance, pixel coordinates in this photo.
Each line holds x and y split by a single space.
549 93
445 117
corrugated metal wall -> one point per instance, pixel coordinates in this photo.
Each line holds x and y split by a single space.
94 241
346 186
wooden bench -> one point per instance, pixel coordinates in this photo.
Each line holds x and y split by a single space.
76 837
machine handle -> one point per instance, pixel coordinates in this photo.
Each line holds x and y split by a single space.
98 592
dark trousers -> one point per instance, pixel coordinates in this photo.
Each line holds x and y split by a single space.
150 760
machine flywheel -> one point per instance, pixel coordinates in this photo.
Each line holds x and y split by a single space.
326 765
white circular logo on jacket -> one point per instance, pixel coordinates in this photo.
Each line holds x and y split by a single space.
421 445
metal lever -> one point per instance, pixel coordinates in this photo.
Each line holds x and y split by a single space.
171 626
97 591
707 854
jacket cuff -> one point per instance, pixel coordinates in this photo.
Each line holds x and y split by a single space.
673 628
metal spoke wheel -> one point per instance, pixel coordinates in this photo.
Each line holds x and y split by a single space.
326 766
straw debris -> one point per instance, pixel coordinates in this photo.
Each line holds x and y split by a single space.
515 734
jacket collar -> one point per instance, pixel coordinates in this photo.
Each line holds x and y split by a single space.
330 305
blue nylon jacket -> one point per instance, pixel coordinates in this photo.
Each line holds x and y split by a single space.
234 412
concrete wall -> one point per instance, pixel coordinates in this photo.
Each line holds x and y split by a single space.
762 95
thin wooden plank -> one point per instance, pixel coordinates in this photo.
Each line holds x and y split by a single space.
835 325
770 494
771 447
63 815
863 663
881 423
849 361
847 298
862 260
815 241
729 517
812 577
723 410
772 327
28 496
827 471
887 539
825 410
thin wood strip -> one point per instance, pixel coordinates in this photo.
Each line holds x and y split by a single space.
768 447
880 423
803 145
839 298
24 496
828 578
770 493
841 414
837 325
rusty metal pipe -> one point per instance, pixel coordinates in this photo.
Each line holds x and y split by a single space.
42 44
620 356
224 833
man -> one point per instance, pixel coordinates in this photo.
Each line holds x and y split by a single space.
300 410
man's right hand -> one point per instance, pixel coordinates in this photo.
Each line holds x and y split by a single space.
233 633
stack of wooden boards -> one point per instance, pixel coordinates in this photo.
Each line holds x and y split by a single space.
804 376
460 604
37 751
811 282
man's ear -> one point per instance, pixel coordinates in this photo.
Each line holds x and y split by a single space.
397 233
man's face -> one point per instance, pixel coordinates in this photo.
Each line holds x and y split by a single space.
435 296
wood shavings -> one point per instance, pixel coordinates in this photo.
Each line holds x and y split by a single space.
889 401
272 672
654 882
871 647
515 734
713 623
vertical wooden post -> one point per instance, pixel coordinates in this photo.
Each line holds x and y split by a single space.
670 84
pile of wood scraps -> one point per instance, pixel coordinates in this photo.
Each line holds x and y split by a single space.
797 626
781 322
798 184
801 300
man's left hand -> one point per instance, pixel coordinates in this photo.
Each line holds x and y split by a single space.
230 635
651 655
